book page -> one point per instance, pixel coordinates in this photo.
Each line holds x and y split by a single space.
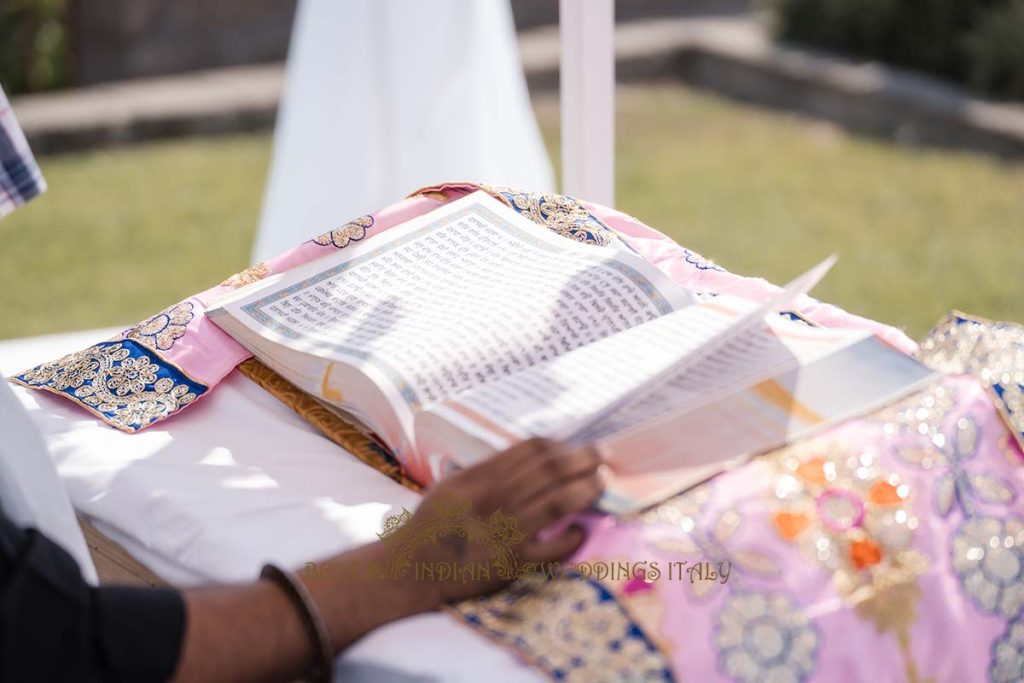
575 397
662 456
765 351
466 294
751 320
552 399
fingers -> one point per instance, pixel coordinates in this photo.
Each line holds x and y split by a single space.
538 482
546 465
515 476
556 502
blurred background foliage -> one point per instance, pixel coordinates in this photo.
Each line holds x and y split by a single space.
35 45
979 43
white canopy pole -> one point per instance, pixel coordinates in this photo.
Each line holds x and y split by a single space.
587 29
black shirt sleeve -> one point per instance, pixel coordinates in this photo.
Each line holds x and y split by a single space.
56 627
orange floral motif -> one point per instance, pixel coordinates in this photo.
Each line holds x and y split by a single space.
865 553
884 493
812 472
839 505
791 524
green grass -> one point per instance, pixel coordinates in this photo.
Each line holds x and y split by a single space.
124 232
918 232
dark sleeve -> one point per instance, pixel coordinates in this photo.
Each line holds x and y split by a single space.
56 627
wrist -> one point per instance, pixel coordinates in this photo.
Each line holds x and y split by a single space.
355 599
410 595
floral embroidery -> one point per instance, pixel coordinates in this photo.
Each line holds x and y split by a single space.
759 634
248 276
836 503
162 330
572 628
123 382
993 352
987 549
1007 665
564 215
682 528
988 558
353 231
843 511
132 376
765 637
700 262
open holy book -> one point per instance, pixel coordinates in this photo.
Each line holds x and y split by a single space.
470 328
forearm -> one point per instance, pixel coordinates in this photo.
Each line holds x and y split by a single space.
254 632
242 633
352 606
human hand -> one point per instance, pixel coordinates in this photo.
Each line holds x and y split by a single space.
500 503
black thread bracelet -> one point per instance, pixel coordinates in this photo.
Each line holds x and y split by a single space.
323 662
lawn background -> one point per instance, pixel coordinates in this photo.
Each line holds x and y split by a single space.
125 232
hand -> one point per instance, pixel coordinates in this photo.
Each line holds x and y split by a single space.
536 483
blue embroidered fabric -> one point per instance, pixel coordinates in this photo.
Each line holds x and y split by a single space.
564 215
572 628
122 381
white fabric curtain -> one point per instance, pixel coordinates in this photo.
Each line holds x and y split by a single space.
384 96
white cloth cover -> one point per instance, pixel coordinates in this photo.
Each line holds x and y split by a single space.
384 96
237 481
31 493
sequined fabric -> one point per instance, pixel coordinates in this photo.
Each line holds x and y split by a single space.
570 627
991 351
562 214
123 382
161 331
248 276
876 536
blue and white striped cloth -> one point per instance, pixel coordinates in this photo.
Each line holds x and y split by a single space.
20 177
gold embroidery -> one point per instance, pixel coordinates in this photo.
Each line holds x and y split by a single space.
836 503
986 549
128 391
892 607
564 215
353 231
991 351
248 276
573 629
161 331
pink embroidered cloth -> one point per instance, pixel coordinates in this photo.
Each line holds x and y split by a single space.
889 548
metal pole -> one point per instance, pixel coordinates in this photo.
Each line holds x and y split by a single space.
587 29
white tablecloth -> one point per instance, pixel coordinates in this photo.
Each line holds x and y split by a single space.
234 482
